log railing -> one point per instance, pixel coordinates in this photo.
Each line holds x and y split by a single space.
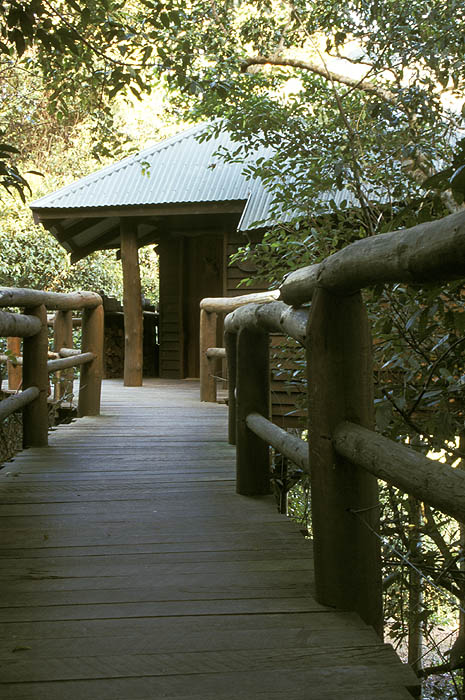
344 455
31 325
211 309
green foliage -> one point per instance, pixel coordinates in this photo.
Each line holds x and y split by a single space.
31 257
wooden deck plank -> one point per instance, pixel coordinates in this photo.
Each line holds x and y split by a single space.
195 663
130 569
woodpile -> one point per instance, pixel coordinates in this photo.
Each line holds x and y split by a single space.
114 339
113 349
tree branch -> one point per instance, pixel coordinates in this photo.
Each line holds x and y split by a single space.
364 85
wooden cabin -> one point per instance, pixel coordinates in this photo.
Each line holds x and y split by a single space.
180 195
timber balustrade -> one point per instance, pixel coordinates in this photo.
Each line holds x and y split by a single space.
211 309
30 372
321 306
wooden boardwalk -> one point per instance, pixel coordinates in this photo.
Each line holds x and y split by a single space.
130 570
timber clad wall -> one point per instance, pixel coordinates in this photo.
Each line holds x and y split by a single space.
235 274
192 268
171 327
283 351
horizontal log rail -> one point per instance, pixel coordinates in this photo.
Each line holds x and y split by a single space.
18 401
71 361
292 447
430 481
221 305
29 368
275 317
14 325
430 252
14 296
210 309
216 353
16 361
64 352
68 352
321 307
77 320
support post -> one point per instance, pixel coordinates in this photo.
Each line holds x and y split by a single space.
132 305
230 343
35 356
207 340
340 381
252 396
15 374
63 338
91 373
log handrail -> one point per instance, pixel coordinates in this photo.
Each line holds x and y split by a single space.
31 325
16 402
56 301
283 442
210 309
216 353
430 252
321 307
226 304
437 484
71 361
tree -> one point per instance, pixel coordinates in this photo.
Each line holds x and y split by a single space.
74 57
57 123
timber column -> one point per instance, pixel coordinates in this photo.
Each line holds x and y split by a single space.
132 304
345 503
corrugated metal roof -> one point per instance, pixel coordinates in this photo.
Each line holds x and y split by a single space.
178 170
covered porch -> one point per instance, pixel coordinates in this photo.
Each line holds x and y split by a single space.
182 197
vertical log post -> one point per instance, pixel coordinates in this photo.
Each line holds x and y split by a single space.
230 343
15 374
132 305
91 373
35 356
207 340
340 381
252 395
63 338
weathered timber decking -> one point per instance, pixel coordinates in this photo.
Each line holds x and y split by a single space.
130 570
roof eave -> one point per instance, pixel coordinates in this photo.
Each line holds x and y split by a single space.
217 207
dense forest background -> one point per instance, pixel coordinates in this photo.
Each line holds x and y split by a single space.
363 102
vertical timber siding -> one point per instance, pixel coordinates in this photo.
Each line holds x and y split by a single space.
171 311
284 352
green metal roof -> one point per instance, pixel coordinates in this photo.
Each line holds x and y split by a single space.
181 177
